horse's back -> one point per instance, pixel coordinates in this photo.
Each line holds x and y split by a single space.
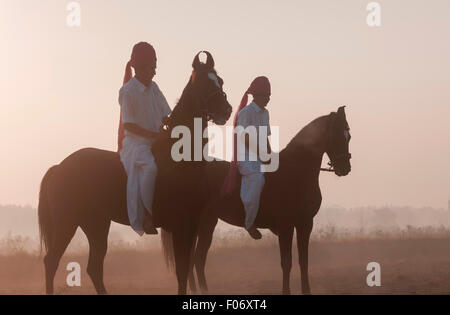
87 156
281 199
90 180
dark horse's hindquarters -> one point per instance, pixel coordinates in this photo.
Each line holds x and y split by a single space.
88 189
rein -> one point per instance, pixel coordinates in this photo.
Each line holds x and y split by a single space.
330 169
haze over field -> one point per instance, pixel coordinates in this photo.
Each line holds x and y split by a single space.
417 266
19 228
59 85
411 245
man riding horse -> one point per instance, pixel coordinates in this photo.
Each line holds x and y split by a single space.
88 189
143 109
250 163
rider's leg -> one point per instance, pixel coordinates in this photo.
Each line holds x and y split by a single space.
251 188
147 178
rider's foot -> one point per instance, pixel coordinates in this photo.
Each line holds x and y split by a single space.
149 228
254 233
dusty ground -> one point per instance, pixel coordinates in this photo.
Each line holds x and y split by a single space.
414 266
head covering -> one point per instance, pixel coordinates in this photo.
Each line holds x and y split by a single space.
259 86
143 53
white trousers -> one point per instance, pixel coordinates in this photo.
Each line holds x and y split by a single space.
140 166
251 187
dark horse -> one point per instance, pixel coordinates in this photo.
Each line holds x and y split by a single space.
290 199
88 188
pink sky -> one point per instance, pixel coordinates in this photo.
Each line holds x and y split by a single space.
59 85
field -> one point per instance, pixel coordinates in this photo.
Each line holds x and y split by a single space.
411 263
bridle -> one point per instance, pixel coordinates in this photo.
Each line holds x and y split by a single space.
204 101
333 159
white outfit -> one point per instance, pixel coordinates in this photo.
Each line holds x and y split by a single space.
145 107
252 178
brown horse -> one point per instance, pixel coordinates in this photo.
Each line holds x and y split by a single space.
290 199
88 189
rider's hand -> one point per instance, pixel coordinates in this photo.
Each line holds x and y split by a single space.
165 120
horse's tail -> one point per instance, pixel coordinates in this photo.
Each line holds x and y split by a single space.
167 247
44 214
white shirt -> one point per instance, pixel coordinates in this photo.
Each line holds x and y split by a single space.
142 105
252 115
145 107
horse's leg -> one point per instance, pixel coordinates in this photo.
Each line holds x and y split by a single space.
303 234
183 239
191 277
204 241
97 235
62 234
285 236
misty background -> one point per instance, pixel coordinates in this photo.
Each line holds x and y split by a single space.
60 84
59 88
19 228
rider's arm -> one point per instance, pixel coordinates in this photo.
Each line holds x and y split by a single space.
244 121
269 133
268 148
129 116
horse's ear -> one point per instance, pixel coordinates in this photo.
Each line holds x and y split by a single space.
341 115
196 63
209 60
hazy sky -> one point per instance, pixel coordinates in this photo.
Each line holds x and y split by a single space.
59 85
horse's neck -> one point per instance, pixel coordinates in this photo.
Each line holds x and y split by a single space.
312 137
306 149
183 115
184 112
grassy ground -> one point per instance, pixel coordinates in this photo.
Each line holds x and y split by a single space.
408 266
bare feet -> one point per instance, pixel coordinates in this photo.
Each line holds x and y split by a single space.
254 233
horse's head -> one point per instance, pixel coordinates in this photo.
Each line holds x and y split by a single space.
338 143
207 88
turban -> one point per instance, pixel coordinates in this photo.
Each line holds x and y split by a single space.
143 53
259 86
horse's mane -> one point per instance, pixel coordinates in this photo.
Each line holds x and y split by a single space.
181 108
182 113
300 141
